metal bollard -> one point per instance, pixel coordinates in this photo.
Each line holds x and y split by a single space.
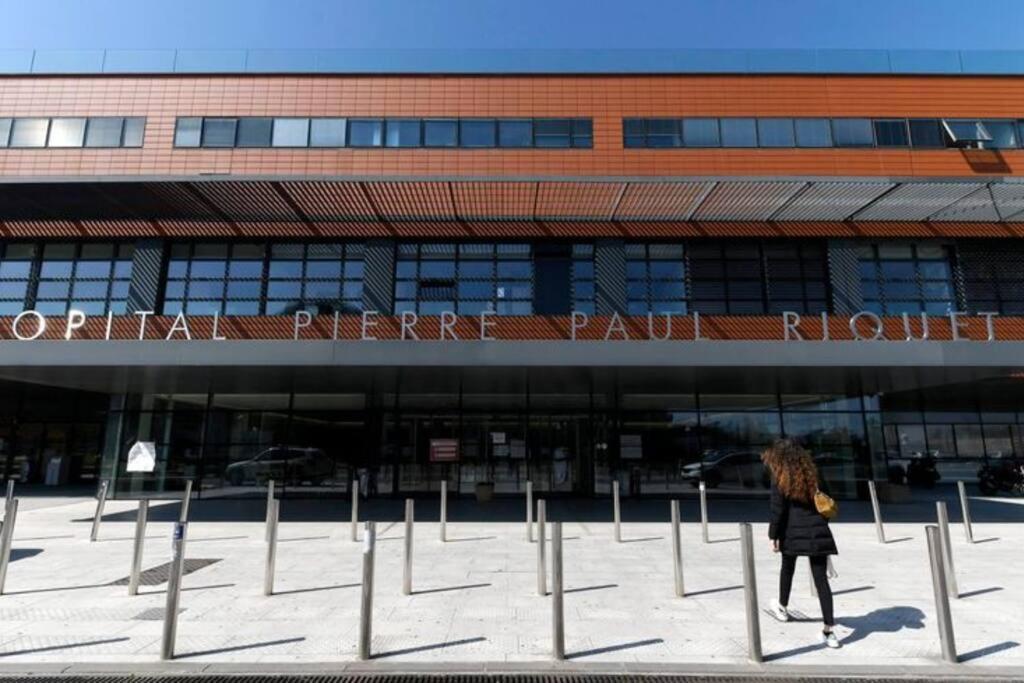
617 512
270 504
542 565
174 592
704 511
366 605
877 510
407 565
529 511
965 510
10 496
947 548
355 510
268 569
186 501
101 502
6 538
141 517
444 511
557 592
942 612
677 550
750 594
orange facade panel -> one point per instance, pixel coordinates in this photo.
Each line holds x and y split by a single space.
604 99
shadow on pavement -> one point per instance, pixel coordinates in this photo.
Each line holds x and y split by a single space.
990 650
613 648
981 591
425 648
451 588
236 648
24 553
68 646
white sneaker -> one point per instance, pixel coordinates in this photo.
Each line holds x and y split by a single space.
779 611
830 640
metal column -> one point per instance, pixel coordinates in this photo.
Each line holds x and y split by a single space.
366 603
101 502
943 614
141 517
6 539
877 510
704 512
677 550
186 501
529 511
407 564
557 592
750 594
965 511
355 510
617 511
174 592
542 565
271 562
947 547
444 511
270 504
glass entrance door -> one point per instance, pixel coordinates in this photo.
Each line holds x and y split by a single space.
560 453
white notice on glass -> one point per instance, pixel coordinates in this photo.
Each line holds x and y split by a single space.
142 457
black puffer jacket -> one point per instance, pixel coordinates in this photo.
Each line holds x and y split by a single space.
798 527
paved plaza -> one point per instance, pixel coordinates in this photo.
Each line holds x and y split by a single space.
475 597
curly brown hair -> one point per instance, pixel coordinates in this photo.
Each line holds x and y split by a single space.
792 468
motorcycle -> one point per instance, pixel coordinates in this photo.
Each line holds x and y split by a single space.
922 471
1006 476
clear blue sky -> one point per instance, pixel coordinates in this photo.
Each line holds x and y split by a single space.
934 24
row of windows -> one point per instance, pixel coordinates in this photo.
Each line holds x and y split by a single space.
94 131
726 277
378 132
93 277
821 132
729 277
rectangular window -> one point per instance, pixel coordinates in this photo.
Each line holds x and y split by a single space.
290 132
327 133
553 133
775 133
852 132
583 283
134 131
477 133
187 132
403 132
104 131
467 278
92 278
440 133
29 132
655 279
926 133
5 131
813 133
700 132
219 132
727 277
16 259
891 133
901 278
796 276
663 133
995 282
67 132
1004 134
515 133
966 132
634 133
254 132
582 133
365 132
318 278
738 132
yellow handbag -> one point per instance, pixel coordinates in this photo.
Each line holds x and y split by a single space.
825 505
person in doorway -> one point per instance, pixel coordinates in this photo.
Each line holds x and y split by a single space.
797 529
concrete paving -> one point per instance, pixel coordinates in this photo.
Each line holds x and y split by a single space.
475 600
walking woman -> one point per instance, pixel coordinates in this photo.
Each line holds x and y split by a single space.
799 528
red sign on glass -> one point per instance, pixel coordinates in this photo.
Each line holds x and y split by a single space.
444 450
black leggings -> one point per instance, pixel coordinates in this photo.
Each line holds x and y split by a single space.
819 571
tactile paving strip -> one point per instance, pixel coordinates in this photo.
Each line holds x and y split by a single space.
154 576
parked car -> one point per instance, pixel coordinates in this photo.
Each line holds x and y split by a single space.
288 464
742 468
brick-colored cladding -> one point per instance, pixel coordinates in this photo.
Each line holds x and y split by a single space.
606 99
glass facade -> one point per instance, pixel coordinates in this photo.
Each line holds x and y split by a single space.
263 279
55 277
63 132
901 278
464 278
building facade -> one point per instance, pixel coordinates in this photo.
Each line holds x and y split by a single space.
298 273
